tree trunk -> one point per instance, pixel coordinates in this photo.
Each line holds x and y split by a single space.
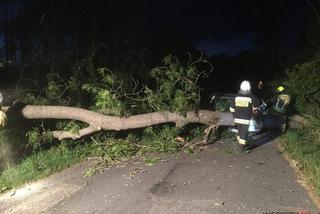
97 121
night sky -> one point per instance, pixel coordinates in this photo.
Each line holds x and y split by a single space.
227 26
272 28
216 26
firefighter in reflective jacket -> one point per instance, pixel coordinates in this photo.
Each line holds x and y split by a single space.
280 104
281 101
242 107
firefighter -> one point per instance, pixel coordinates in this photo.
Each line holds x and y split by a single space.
260 91
242 107
279 105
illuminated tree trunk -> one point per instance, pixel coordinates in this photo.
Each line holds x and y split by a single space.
97 121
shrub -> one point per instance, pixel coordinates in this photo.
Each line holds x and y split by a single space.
304 83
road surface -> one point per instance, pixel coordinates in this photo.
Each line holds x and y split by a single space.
215 180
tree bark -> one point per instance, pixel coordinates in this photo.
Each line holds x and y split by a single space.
97 121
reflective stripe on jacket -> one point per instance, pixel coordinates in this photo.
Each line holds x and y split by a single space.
242 121
281 103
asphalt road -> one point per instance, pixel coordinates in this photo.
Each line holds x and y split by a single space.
215 180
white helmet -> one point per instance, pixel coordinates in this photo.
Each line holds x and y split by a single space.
245 86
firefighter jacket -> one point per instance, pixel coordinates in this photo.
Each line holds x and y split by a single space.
281 102
241 106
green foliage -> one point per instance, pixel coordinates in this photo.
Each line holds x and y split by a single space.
150 161
195 133
153 139
12 147
57 91
71 126
119 149
303 146
53 91
225 133
36 138
159 139
313 118
107 94
41 164
177 89
33 99
113 149
304 83
222 105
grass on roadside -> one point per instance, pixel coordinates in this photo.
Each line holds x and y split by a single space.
41 164
302 145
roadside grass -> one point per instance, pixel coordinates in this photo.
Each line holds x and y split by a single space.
302 145
42 164
106 147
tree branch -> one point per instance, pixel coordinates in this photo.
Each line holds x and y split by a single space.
97 121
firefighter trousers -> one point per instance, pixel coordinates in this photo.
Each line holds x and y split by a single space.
242 133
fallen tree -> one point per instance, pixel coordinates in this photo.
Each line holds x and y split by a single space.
97 121
172 99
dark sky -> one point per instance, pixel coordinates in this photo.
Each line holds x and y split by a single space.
219 26
215 26
227 25
198 19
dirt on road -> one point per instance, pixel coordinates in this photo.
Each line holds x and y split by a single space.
215 180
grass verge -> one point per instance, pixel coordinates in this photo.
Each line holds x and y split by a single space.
302 146
42 164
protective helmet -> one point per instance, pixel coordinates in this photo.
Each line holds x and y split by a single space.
245 86
280 89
